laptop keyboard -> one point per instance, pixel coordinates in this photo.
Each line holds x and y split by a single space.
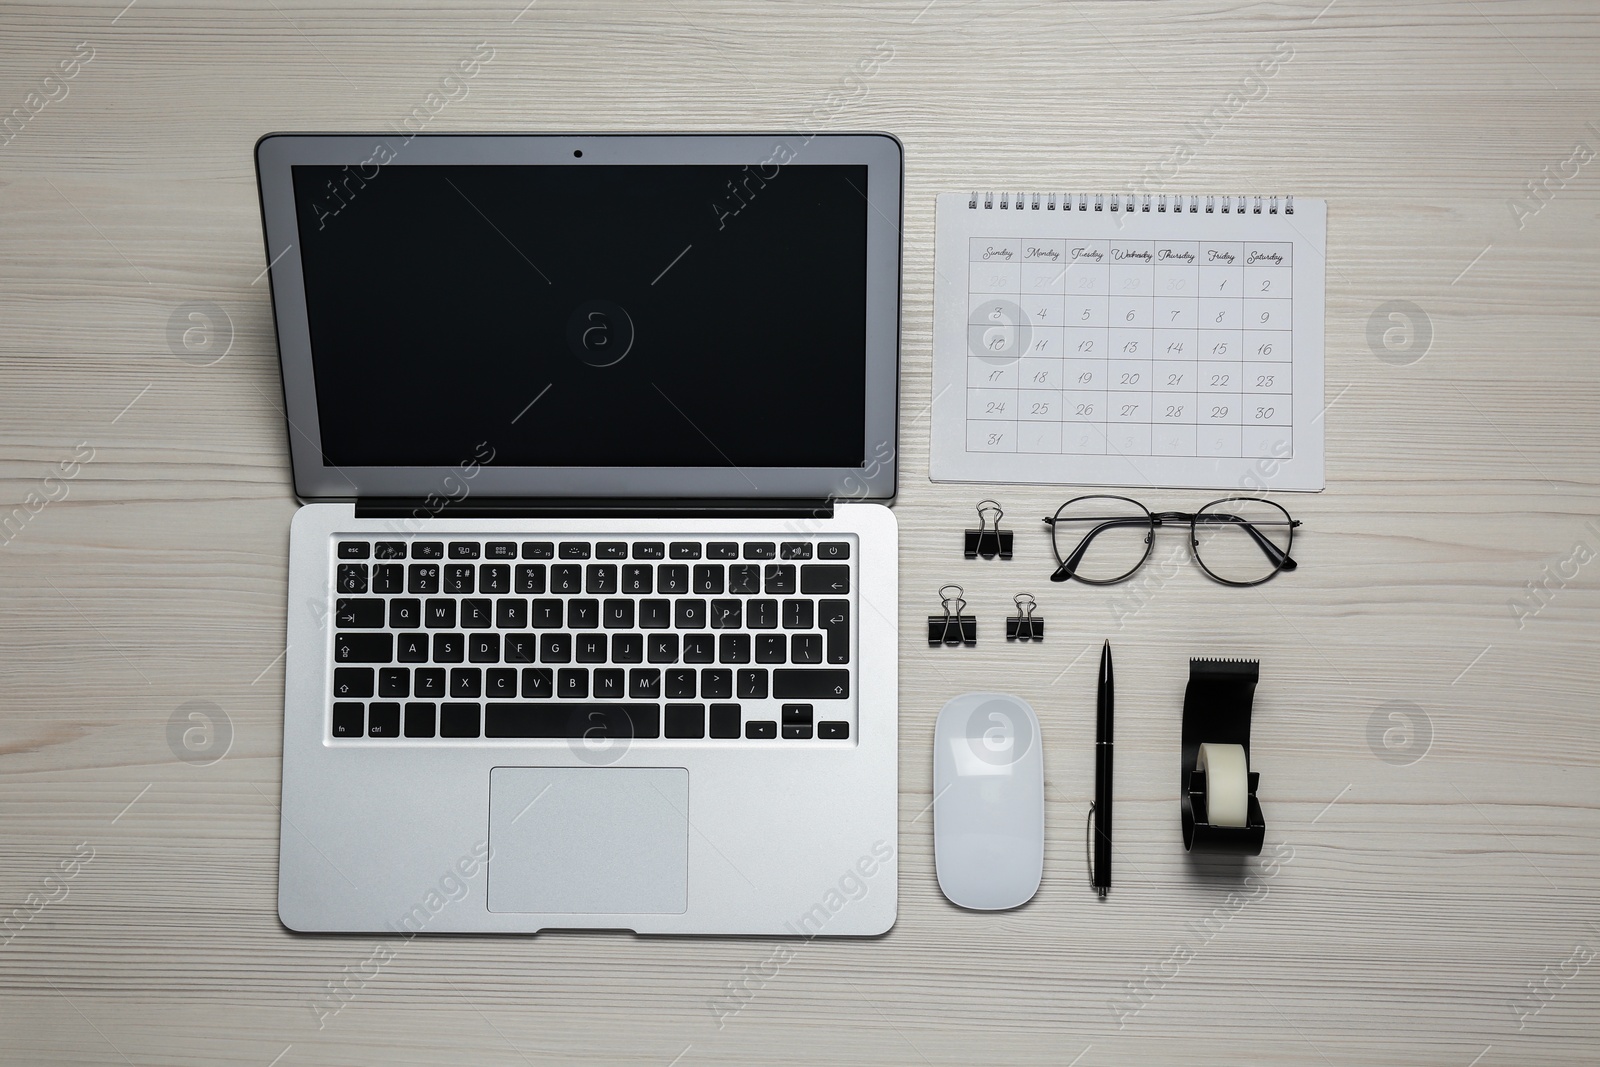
593 638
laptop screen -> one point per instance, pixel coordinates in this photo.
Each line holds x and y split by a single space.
594 316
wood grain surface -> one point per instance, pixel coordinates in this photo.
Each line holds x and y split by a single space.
1430 767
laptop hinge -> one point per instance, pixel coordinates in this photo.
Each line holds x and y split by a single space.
574 508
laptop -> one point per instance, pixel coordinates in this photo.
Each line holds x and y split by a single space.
592 592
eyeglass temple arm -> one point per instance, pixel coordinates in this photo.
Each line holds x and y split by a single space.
1069 566
1278 556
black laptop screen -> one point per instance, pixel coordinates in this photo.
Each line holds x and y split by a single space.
685 316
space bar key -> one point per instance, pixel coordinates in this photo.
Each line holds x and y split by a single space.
810 685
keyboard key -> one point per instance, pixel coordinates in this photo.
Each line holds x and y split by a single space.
566 578
744 579
771 648
394 681
638 578
685 721
689 614
477 613
655 614
483 648
383 720
500 683
360 614
680 683
752 684
627 648
589 648
649 550
459 720
521 648
834 617
428 682
352 578
389 550
363 648
824 578
644 683
459 577
583 613
760 550
538 550
448 648
716 683
663 648
610 683
779 579
761 731
419 720
611 550
572 683
796 715
530 577
674 578
810 685
351 682
797 614
464 550
833 550
405 613
538 682
699 648
617 614
805 648
833 731
511 613
797 733
423 578
727 614
795 550
600 578
466 682
411 648
545 614
354 550
349 720
494 578
388 578
500 550
588 721
575 550
733 648
427 550
725 720
761 614
439 614
722 550
685 550
708 579
555 648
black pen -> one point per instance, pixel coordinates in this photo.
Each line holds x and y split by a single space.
1102 776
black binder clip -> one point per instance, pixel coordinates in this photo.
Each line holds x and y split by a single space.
1221 815
1024 626
952 628
988 541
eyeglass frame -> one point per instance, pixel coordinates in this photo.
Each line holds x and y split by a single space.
1279 557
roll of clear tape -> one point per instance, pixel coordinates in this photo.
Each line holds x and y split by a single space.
1227 774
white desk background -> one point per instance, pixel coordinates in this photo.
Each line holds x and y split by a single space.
1430 766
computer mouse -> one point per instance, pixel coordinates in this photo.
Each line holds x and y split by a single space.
988 801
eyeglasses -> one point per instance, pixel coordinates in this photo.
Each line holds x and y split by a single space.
1236 541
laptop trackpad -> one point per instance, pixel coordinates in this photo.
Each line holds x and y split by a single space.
604 840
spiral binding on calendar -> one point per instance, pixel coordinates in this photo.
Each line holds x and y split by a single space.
1134 203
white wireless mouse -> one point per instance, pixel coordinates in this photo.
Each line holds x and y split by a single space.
988 801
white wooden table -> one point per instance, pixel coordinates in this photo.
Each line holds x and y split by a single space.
1425 723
